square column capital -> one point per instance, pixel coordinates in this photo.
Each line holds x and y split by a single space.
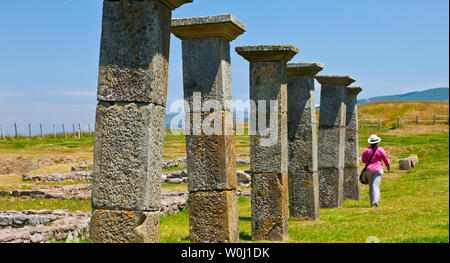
354 91
226 26
335 80
304 69
174 4
268 53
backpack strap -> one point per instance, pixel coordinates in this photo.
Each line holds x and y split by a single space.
373 154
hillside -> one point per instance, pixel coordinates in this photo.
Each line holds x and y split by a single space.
439 94
388 111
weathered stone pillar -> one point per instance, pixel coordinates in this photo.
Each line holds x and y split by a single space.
331 147
211 158
352 188
302 134
134 59
268 146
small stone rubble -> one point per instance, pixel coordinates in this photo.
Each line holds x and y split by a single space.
61 225
84 166
58 178
175 177
42 226
79 192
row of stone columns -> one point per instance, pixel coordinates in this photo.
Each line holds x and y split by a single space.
292 167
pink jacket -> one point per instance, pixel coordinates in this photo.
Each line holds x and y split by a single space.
375 164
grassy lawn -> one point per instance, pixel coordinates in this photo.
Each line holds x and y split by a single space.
414 206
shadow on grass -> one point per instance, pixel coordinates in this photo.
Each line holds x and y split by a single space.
244 236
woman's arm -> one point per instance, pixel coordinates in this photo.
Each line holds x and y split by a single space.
385 159
364 157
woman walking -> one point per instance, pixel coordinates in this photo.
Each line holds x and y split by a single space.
374 170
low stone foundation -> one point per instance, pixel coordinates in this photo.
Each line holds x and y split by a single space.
42 226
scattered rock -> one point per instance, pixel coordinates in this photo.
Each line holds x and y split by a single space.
405 164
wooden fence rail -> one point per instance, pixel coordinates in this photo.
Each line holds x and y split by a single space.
417 121
370 123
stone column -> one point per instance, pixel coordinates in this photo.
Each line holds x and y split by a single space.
211 158
134 59
269 148
331 147
352 188
302 137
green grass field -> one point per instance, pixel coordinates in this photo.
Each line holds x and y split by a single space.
414 206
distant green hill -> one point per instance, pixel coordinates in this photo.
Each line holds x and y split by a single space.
439 94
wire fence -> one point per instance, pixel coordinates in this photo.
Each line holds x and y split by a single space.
37 131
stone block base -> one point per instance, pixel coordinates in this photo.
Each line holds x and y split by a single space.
304 196
213 217
270 206
108 226
331 182
352 187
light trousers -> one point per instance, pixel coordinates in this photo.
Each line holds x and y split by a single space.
374 179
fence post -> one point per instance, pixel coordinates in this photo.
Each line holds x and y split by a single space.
3 133
417 119
42 133
379 124
15 130
434 120
361 121
64 131
29 130
398 122
74 135
79 131
54 131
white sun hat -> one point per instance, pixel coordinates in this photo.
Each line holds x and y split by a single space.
374 139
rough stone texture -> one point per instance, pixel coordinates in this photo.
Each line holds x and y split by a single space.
404 164
331 184
134 63
211 157
128 157
213 217
124 227
352 186
74 192
302 137
307 69
414 160
211 162
134 52
270 159
207 69
58 178
331 143
225 26
83 166
174 4
269 164
42 226
268 53
304 196
268 82
270 206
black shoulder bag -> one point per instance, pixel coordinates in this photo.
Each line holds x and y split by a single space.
363 176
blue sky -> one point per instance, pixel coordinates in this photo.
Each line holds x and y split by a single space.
49 49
